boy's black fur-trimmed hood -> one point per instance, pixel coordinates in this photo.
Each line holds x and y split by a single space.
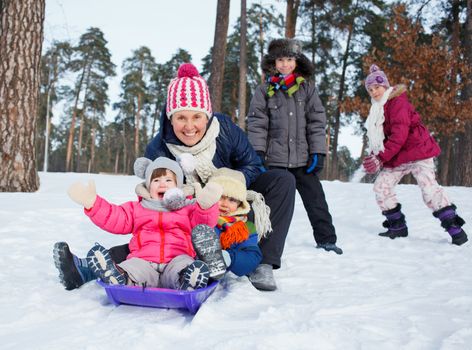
287 48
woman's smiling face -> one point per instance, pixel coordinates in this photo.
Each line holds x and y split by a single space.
189 126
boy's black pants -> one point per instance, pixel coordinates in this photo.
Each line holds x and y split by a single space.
314 200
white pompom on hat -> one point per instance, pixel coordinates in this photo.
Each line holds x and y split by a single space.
189 91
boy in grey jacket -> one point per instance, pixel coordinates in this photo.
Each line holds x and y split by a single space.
286 127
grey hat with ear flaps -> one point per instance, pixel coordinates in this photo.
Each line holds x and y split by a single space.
143 168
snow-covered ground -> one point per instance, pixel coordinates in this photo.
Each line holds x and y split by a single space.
411 293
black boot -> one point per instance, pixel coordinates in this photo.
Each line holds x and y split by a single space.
395 223
452 223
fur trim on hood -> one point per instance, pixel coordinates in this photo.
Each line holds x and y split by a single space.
397 91
287 48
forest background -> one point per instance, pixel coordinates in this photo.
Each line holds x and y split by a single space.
426 45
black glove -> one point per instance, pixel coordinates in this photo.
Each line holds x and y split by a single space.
261 155
315 163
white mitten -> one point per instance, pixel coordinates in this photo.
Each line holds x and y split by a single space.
187 162
209 195
142 191
84 195
188 190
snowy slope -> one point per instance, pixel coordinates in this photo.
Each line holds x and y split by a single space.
412 293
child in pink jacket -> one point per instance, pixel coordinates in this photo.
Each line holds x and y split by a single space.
161 222
400 144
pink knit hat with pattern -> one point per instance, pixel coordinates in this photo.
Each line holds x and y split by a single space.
189 91
376 77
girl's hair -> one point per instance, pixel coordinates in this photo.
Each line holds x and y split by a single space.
158 172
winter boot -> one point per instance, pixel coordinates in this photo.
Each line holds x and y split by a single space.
263 278
208 247
194 276
73 272
330 247
102 265
395 223
452 223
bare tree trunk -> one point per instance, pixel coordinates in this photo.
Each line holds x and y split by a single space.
92 152
243 67
291 18
82 122
21 36
261 42
215 83
455 43
313 36
72 124
337 115
327 169
117 161
364 145
464 165
79 141
137 118
48 127
125 158
446 146
155 119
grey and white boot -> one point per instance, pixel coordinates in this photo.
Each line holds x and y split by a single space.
194 276
101 263
263 278
208 247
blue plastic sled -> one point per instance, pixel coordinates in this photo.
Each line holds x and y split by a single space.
158 297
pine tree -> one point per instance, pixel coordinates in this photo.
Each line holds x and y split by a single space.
92 62
54 65
264 24
161 78
135 105
338 32
215 82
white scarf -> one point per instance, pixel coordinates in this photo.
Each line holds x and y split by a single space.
203 151
374 123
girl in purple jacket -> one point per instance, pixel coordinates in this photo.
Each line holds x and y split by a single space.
400 144
161 250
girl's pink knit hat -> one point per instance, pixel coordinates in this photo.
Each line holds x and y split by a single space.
376 77
189 91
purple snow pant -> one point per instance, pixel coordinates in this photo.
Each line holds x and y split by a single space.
423 171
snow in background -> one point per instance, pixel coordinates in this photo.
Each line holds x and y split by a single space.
410 293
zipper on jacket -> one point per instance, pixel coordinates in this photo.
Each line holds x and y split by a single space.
162 233
190 249
138 239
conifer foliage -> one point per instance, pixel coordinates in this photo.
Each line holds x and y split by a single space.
92 133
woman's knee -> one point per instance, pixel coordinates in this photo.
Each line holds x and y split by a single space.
283 180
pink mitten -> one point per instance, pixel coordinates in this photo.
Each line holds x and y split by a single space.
371 164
